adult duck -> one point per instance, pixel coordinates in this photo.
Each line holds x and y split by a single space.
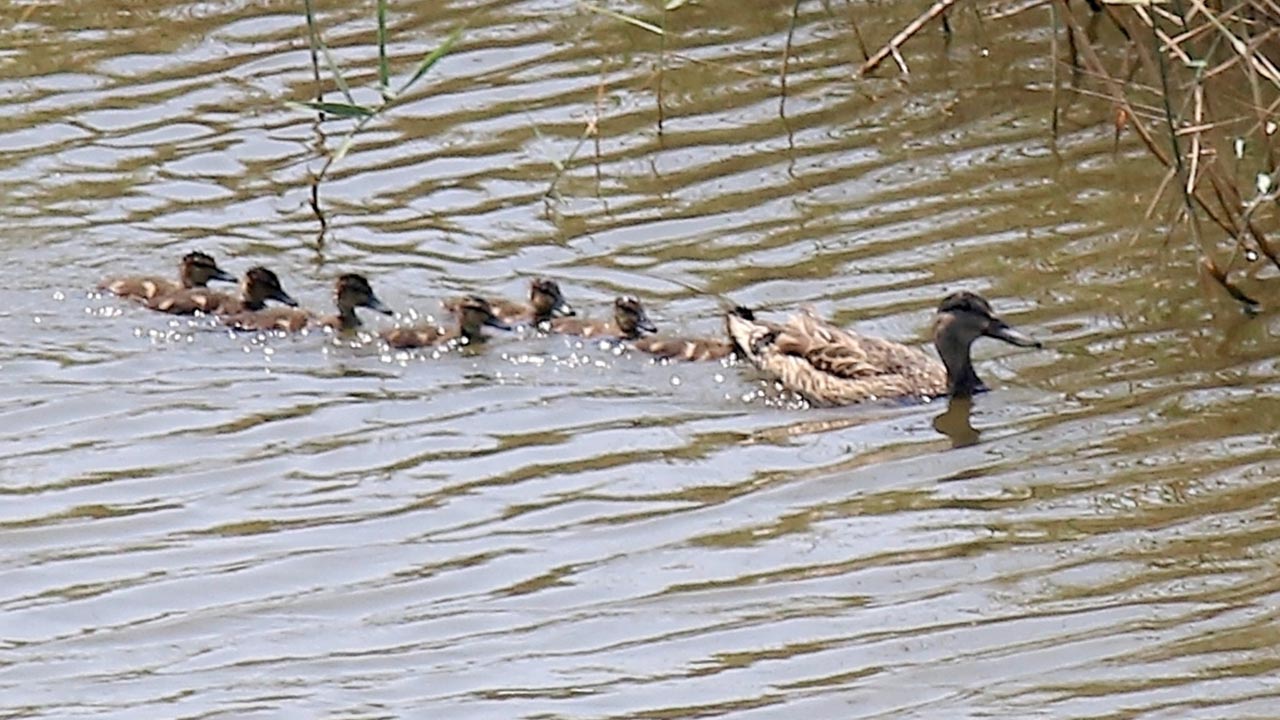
832 366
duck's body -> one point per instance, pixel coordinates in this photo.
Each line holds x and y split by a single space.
350 291
471 314
258 286
545 303
684 348
832 366
629 322
195 270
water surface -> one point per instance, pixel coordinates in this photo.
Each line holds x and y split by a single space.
202 524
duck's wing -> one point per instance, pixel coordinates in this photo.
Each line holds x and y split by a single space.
843 353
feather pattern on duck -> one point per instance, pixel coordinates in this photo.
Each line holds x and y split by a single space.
832 366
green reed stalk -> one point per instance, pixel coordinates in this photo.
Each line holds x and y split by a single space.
350 109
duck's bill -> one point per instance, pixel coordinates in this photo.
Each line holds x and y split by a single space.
283 297
494 322
646 326
378 306
1000 330
563 309
223 275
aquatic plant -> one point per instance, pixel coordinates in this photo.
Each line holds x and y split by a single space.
1197 84
350 109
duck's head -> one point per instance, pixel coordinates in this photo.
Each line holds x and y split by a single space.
473 313
260 285
962 318
353 291
196 270
547 300
630 317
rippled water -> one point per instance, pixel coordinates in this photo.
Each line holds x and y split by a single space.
201 524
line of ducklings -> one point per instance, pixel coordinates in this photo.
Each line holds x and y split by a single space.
825 364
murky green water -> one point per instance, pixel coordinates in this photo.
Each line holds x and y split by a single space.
205 525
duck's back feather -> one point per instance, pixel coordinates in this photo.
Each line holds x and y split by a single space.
832 366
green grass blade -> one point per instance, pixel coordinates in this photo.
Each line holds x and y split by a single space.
338 109
337 73
432 58
384 66
624 18
345 147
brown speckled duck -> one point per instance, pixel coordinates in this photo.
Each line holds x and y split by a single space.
545 302
832 366
629 323
471 314
258 286
195 270
350 292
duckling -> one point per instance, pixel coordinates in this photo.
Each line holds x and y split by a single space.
258 286
545 302
694 348
629 323
684 348
831 366
471 314
350 291
195 270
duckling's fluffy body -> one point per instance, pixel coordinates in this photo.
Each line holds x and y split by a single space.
195 270
471 315
629 323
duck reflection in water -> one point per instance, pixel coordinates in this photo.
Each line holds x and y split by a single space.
954 422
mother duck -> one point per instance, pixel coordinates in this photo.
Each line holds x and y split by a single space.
832 366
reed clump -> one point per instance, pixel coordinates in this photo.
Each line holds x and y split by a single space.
1198 82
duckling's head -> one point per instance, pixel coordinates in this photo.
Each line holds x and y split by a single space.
547 301
196 270
353 291
260 285
962 318
473 313
630 317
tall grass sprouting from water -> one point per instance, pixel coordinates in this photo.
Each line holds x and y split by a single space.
1198 82
1203 99
348 108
